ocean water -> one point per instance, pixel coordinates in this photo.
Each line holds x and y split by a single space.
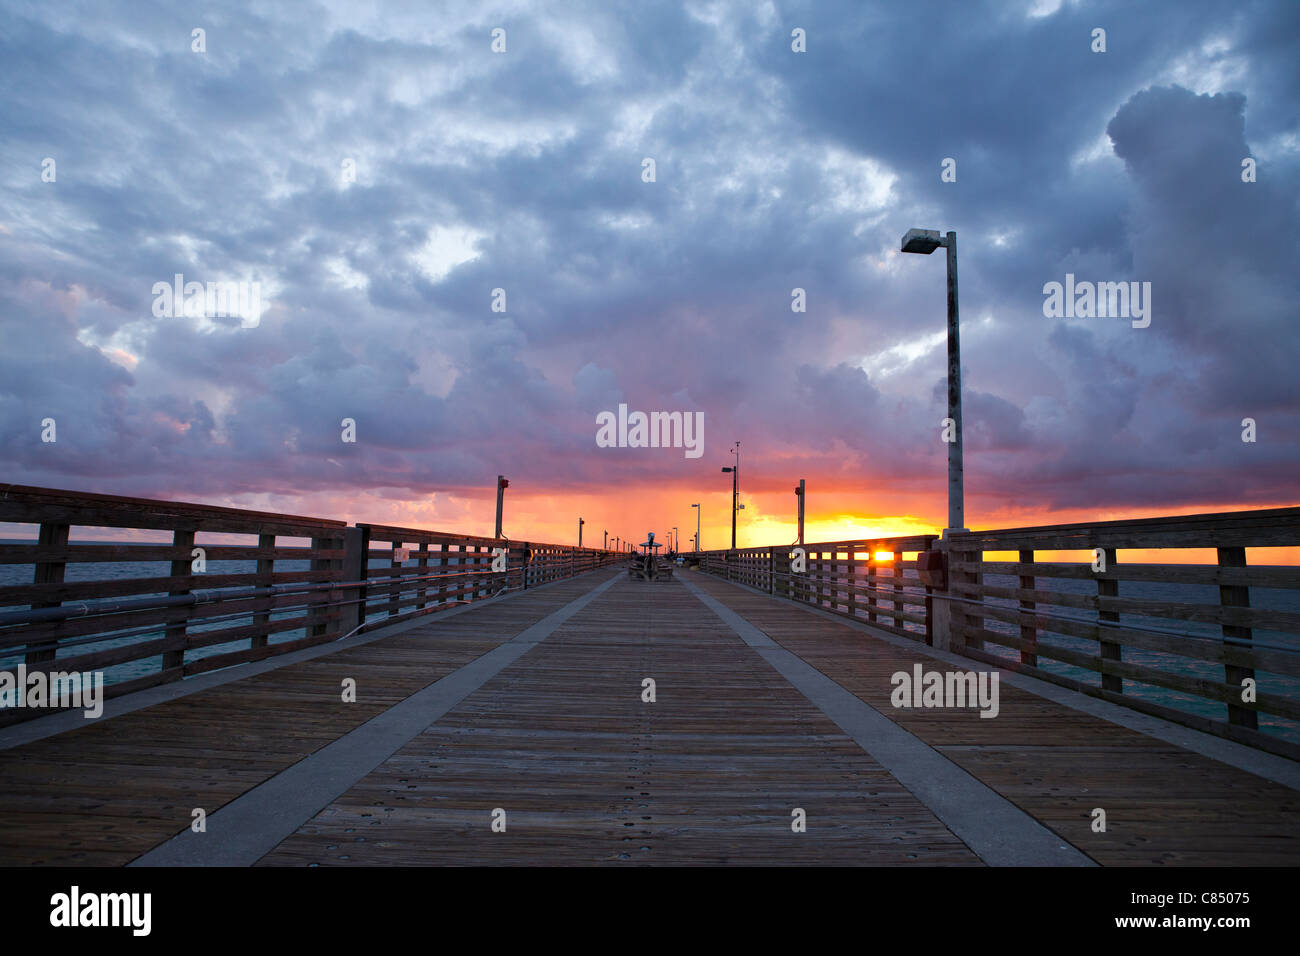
1271 598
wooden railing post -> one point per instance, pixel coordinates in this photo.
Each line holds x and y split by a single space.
872 583
443 563
1028 632
265 577
173 658
423 593
929 615
898 589
48 572
317 625
355 545
1110 651
1234 595
853 582
395 588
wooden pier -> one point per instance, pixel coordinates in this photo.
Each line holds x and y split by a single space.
559 711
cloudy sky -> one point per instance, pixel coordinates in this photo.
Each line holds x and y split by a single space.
379 170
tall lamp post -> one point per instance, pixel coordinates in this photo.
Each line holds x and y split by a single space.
697 525
923 242
580 524
735 491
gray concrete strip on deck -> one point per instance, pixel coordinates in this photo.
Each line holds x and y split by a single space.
1272 767
998 831
41 727
250 826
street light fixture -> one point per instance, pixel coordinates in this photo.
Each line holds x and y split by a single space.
698 510
923 242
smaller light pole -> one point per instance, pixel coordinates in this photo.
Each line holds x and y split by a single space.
799 491
606 547
502 485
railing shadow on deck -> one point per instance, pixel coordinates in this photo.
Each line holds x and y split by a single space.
223 586
1215 647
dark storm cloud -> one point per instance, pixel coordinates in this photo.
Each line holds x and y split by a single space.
522 171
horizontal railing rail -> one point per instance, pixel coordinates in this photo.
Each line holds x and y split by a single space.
1211 646
227 586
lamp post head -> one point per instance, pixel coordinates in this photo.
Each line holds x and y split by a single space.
922 241
727 469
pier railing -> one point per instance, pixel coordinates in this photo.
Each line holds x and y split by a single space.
185 588
1127 611
868 580
1214 646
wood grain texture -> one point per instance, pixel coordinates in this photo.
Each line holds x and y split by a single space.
1164 804
105 793
589 773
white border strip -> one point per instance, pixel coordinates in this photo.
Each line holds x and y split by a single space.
1270 766
998 831
252 825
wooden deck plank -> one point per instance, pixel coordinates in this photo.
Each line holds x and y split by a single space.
588 773
208 748
1164 804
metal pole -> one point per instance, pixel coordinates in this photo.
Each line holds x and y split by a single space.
956 504
501 491
799 491
735 495
580 524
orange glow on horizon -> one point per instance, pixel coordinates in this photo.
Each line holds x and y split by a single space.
628 512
